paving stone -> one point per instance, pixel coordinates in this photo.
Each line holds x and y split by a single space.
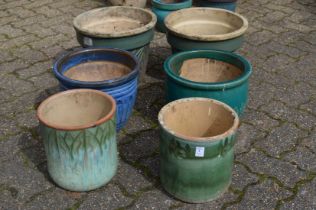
137 123
242 178
310 141
144 144
260 37
11 32
7 198
132 179
303 157
281 139
258 94
152 166
259 120
108 197
262 196
285 172
44 80
36 69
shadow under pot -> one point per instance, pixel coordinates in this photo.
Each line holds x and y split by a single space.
78 130
197 148
113 71
221 5
205 29
162 8
211 74
123 27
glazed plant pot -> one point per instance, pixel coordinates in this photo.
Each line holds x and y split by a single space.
113 71
221 5
211 74
196 148
127 28
162 8
132 3
78 129
205 29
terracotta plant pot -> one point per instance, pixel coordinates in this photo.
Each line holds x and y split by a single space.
211 74
112 71
132 3
78 129
221 5
127 28
205 29
162 8
196 148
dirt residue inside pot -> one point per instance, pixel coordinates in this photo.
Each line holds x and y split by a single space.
97 71
112 25
208 70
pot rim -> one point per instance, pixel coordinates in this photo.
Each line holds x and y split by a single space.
172 6
61 77
229 132
208 85
107 117
216 37
132 32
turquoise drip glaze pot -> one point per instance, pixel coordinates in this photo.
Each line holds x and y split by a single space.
162 9
123 27
78 129
221 5
202 28
197 148
232 91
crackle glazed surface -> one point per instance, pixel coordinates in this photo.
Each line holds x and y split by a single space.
206 24
196 148
78 129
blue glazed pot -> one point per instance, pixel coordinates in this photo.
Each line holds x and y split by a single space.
233 92
205 29
135 39
122 89
162 9
226 5
78 130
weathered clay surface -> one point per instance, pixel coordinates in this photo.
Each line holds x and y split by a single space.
281 46
208 70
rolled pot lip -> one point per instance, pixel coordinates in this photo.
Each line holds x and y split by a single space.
172 6
215 37
107 117
208 85
132 32
229 132
85 84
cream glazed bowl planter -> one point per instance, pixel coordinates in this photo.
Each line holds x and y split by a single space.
123 27
78 130
205 29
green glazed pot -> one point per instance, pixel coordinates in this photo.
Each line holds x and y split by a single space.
233 92
79 132
197 148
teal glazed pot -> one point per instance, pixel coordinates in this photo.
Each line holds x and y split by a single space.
162 8
197 148
78 129
221 5
205 29
123 27
230 90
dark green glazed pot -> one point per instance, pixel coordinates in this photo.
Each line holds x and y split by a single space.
197 148
79 132
232 92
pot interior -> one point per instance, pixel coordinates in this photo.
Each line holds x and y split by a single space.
95 71
208 70
75 108
198 118
112 20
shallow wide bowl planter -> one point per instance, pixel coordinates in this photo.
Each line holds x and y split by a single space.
162 8
132 3
127 28
113 71
78 129
196 148
221 5
205 29
208 73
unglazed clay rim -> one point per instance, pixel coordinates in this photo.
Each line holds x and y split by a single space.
132 32
208 85
229 132
219 37
107 117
